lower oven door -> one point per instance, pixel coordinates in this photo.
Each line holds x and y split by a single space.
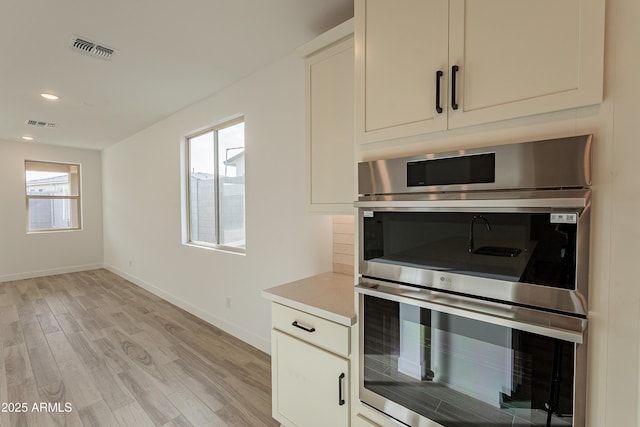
422 362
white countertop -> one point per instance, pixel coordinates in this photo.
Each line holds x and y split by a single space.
327 295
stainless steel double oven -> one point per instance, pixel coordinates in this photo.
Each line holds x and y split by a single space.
473 294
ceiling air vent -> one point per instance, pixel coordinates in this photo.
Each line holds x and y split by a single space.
83 45
40 124
103 52
87 47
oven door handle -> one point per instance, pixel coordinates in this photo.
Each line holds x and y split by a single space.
475 204
553 325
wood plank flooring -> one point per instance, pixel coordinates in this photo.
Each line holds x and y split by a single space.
92 349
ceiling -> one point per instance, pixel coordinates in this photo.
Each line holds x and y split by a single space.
169 54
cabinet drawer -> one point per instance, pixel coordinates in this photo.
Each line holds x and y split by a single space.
315 330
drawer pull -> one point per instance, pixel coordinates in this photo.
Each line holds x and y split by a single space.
304 328
340 397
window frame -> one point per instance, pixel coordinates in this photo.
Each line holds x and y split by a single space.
68 198
216 185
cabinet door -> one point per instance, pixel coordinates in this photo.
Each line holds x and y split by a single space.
400 45
308 384
524 57
330 129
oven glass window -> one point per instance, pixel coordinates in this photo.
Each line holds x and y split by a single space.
461 372
537 248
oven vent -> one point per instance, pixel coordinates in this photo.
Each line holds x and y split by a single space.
90 48
40 124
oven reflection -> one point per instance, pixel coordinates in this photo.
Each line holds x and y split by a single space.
462 372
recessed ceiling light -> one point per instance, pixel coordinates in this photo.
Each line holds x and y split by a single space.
50 96
28 138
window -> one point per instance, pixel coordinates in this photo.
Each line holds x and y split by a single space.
216 187
53 196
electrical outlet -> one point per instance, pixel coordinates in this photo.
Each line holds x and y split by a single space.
228 302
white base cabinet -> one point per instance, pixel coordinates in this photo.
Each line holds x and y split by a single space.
310 385
310 370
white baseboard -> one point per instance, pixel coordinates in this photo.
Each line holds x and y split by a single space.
240 333
50 272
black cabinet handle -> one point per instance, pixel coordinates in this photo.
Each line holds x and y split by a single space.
304 328
340 397
438 77
454 72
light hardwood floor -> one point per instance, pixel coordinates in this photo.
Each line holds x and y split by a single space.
96 350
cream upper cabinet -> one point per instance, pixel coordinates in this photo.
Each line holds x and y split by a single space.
499 59
400 47
518 58
330 122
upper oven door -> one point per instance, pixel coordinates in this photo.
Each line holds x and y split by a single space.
522 248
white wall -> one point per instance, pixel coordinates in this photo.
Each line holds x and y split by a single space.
614 295
623 284
143 202
25 255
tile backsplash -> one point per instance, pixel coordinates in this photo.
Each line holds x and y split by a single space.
343 244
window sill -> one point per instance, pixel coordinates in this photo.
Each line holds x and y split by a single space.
54 230
218 248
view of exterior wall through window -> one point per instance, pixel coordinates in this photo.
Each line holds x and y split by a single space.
53 196
216 187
